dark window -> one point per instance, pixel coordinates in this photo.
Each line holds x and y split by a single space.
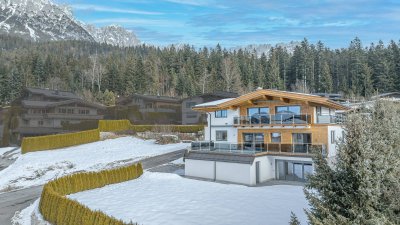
70 111
275 137
189 105
221 135
301 138
257 111
40 122
333 138
221 114
290 109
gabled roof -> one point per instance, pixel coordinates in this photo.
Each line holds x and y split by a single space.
270 94
53 93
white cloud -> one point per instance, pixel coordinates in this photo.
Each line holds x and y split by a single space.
99 8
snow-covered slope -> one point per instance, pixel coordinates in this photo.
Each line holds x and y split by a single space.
113 34
43 20
37 168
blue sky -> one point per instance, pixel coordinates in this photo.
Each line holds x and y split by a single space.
241 22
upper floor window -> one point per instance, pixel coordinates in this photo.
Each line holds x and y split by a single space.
289 109
257 111
189 105
221 114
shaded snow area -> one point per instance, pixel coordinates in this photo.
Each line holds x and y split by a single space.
9 153
29 216
37 168
162 198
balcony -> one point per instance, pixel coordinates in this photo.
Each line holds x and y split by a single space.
259 147
62 116
330 119
269 119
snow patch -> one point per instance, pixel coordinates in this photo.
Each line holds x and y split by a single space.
161 198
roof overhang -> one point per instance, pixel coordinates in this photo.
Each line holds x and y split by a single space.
269 95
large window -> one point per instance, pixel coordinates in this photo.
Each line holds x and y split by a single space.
221 135
290 109
257 111
301 138
221 114
276 137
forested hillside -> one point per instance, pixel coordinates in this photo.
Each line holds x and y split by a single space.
91 68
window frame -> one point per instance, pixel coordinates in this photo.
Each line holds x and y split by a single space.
220 114
333 136
280 137
222 139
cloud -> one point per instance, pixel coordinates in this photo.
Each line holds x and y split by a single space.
99 8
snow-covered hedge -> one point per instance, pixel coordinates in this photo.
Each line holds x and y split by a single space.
32 144
57 209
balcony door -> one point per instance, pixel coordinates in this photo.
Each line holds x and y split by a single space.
258 115
301 142
253 141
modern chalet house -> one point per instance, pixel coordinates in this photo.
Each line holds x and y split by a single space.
190 116
264 135
45 111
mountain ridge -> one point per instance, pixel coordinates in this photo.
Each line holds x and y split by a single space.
44 20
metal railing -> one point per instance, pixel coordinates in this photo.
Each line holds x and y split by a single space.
327 119
269 119
258 147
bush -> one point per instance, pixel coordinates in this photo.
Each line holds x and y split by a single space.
114 125
31 144
57 209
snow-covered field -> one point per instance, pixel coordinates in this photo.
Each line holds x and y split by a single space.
9 153
161 198
37 168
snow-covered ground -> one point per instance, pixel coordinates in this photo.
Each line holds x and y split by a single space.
162 198
37 168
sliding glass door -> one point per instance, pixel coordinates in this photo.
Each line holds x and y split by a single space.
253 141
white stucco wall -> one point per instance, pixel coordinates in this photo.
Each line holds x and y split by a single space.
222 124
234 172
200 168
332 147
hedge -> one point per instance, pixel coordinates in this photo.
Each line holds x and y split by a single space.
172 128
57 209
32 144
114 125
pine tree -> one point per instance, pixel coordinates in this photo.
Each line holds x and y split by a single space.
293 219
362 186
326 79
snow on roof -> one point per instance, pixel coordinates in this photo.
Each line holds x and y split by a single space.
214 103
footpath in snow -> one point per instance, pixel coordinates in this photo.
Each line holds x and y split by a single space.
37 168
161 198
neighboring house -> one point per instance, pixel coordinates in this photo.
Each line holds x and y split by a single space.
392 97
151 109
190 116
44 111
332 96
264 135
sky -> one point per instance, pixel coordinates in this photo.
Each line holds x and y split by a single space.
241 22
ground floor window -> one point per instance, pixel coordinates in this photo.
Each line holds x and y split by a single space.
292 170
221 135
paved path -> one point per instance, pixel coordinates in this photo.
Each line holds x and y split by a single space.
13 201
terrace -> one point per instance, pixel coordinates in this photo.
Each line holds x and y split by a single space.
259 147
